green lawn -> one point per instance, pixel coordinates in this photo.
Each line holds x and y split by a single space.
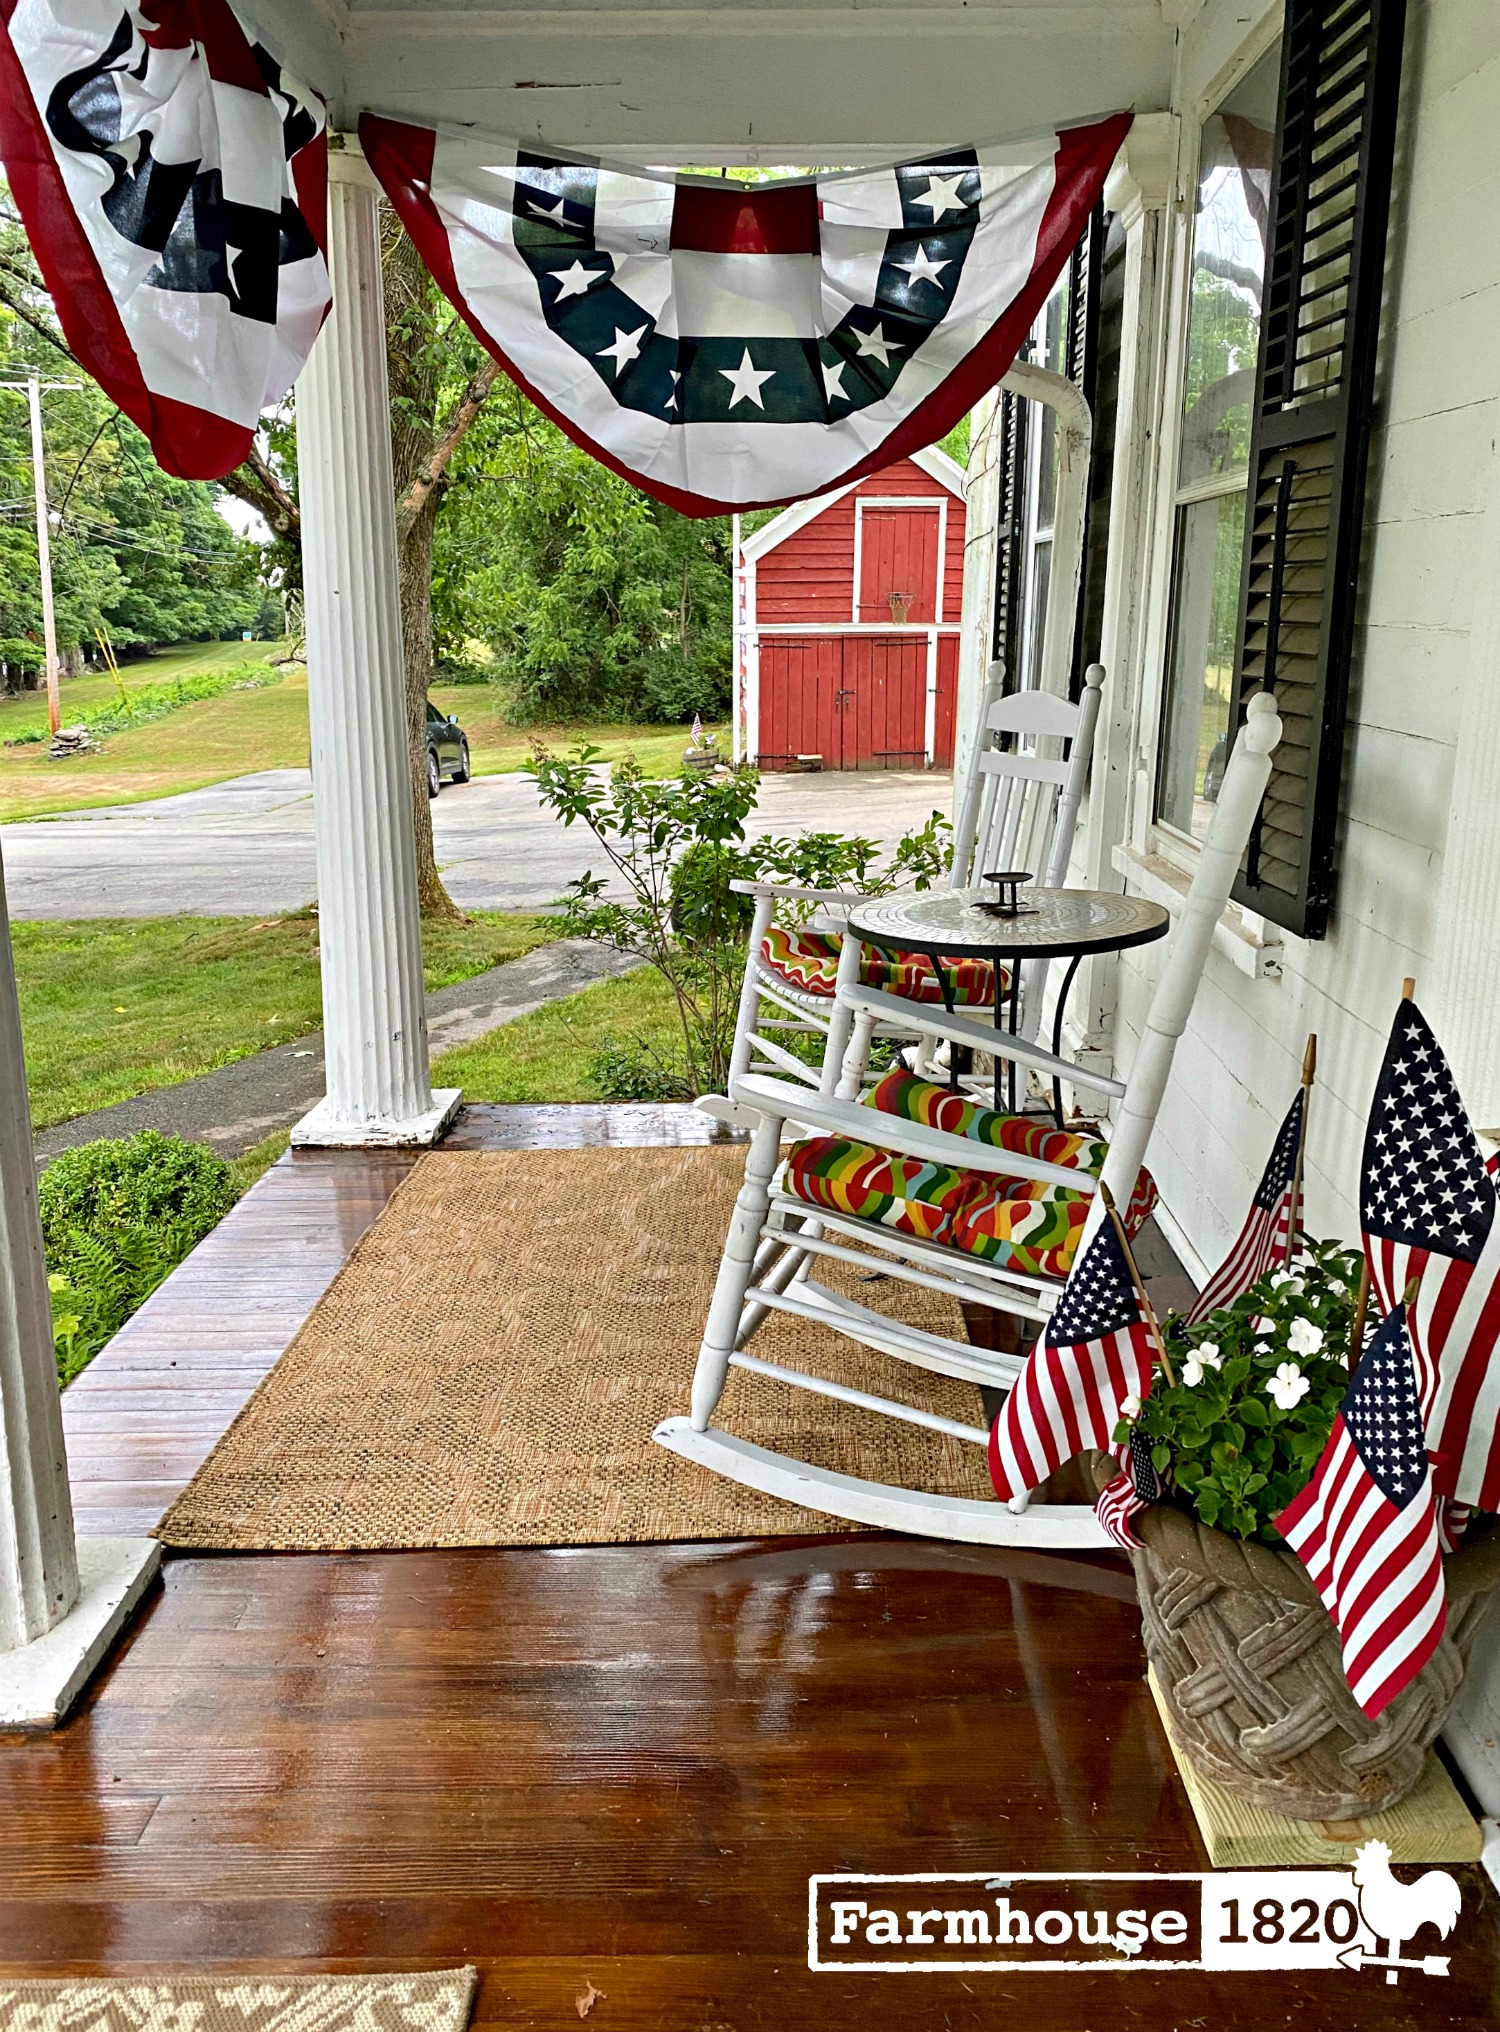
114 1007
545 1056
249 730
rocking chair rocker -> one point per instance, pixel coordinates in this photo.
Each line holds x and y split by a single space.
957 1213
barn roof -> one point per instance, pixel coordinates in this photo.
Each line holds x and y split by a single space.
936 464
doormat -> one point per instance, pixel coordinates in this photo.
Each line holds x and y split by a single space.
490 1363
438 2001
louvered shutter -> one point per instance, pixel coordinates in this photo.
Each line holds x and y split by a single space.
1093 362
1010 569
1320 320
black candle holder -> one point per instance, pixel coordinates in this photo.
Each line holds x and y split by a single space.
1007 900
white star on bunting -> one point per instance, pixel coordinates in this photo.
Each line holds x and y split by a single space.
627 347
922 268
576 281
676 374
747 380
877 343
833 381
942 196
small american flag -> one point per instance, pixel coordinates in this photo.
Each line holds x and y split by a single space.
1366 1528
1266 1238
1095 1352
1428 1209
1131 1491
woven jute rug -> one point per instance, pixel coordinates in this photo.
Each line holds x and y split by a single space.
489 1365
437 2002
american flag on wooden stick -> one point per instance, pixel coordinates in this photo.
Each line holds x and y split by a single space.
1428 1208
1366 1528
1266 1240
1135 1487
1095 1352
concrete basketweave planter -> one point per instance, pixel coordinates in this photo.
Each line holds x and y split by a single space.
1247 1659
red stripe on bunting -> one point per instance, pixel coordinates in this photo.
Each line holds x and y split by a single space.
737 221
191 443
402 155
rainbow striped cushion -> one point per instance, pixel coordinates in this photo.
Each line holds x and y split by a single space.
917 1100
809 961
877 1185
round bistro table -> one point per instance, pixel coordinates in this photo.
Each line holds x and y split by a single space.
1071 924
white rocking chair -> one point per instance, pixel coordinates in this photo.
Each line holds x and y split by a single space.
1019 808
776 1236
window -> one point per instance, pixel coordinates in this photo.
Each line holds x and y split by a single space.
1223 332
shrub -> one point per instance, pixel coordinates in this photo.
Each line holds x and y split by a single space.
117 1216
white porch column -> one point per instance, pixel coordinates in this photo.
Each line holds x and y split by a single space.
977 613
370 934
1139 189
60 1604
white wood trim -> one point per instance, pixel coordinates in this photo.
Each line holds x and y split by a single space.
854 628
936 464
929 713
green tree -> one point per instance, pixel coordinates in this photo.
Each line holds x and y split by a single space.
594 601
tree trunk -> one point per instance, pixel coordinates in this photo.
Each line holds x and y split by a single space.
412 369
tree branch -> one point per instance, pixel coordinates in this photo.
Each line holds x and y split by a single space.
254 483
29 317
469 404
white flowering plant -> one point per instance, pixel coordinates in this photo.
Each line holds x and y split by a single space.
1258 1385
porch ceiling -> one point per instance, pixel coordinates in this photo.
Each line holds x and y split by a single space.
739 80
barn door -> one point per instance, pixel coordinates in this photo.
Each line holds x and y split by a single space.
898 555
885 701
803 706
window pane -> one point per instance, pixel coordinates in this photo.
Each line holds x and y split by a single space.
1040 585
1205 605
1229 258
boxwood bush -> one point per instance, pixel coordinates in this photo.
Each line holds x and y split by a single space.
117 1215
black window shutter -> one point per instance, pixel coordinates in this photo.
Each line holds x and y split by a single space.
1094 364
1310 433
1010 573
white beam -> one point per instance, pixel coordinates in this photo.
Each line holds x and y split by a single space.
369 928
54 1625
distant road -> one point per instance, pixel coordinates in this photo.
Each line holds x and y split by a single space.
245 847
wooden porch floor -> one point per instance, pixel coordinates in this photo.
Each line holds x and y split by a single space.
614 1765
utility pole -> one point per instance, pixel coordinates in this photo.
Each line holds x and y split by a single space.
44 551
33 385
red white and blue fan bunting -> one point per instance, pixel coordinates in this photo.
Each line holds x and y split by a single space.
173 181
728 346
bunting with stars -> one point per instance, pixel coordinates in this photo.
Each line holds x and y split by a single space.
727 346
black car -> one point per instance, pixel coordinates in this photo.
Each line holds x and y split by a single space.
447 751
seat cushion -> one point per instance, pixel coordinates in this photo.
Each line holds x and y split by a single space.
809 961
918 1100
852 1178
1026 1224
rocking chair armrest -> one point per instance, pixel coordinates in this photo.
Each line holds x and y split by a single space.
796 894
782 1100
980 1036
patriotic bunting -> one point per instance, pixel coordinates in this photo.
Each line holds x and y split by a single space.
173 182
1265 1240
1428 1210
730 346
1366 1527
1095 1352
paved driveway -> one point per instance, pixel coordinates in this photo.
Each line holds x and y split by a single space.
245 848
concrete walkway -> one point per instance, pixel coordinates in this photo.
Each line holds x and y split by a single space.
240 1104
245 847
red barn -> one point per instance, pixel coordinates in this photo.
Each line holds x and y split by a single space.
846 624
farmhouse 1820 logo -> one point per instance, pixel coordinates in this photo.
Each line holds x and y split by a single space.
1364 1919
